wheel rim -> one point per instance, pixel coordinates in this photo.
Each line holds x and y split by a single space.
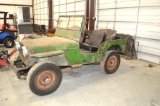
112 62
45 80
9 43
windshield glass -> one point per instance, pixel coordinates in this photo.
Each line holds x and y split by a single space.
70 22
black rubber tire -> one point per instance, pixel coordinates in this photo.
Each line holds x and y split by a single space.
38 70
7 41
116 59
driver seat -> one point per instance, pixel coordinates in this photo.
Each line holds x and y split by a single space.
11 29
96 38
2 26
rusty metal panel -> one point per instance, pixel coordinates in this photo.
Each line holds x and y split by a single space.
62 61
52 44
46 54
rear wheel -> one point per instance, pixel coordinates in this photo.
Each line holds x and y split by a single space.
44 78
111 62
8 42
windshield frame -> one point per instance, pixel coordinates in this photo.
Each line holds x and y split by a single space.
70 16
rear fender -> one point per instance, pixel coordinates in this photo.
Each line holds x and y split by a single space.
105 46
108 44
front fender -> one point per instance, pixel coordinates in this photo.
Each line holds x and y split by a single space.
46 54
57 57
7 34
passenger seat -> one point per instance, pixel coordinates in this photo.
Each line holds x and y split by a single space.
96 38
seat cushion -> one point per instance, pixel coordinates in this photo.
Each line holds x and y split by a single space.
12 30
2 27
96 38
110 33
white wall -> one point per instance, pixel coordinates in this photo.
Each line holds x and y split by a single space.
140 18
13 9
67 7
41 12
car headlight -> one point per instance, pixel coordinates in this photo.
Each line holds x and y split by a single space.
17 45
25 52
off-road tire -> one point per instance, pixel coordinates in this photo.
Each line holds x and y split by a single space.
8 42
111 62
38 74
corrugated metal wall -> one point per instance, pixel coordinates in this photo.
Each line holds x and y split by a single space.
41 12
140 18
67 7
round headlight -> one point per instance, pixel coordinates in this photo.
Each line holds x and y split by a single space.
17 45
25 52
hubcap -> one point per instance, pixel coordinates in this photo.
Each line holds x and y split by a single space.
45 80
9 43
112 62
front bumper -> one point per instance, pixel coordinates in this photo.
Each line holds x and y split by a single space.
19 69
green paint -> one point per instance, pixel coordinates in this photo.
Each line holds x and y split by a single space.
63 49
70 34
42 45
74 56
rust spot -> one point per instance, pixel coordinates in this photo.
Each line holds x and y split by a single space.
150 65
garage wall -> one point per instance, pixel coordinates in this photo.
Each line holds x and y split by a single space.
13 9
140 18
67 7
41 16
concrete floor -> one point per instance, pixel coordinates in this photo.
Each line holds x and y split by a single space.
134 84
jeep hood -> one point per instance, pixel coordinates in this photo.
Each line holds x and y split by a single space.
47 44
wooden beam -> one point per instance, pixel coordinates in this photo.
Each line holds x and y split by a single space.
11 18
6 18
33 10
50 23
91 15
15 4
87 14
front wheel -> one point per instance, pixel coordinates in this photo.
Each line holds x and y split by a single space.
8 42
44 78
111 62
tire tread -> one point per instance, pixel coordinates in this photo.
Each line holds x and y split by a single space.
32 70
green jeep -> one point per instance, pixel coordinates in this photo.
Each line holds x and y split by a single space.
41 60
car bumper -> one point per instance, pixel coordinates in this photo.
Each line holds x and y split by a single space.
21 72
